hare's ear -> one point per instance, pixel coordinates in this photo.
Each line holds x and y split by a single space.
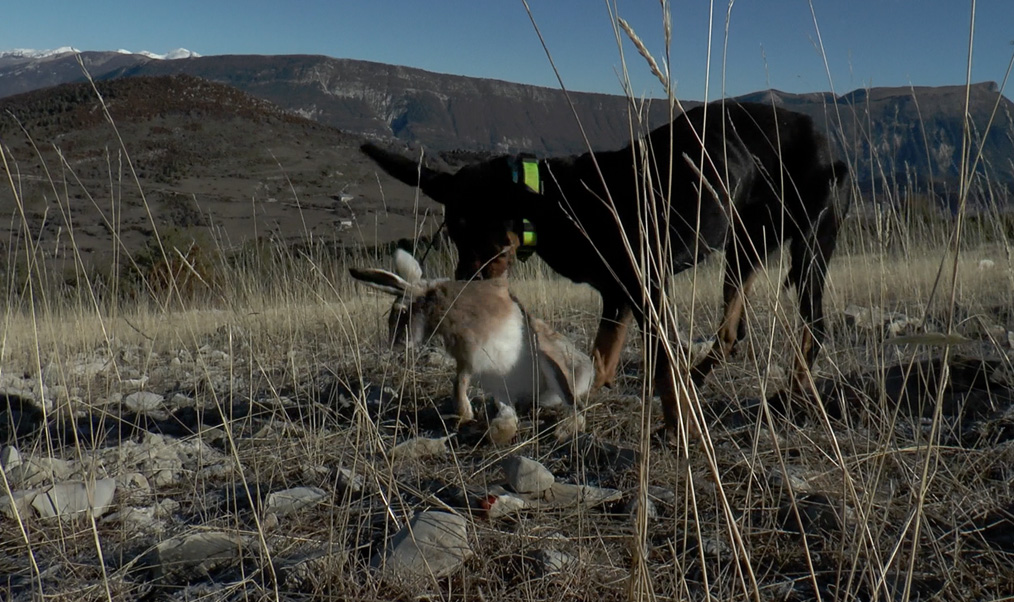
407 267
381 280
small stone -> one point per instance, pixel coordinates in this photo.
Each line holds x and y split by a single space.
554 561
33 472
133 481
649 506
166 507
418 448
288 501
134 384
143 401
72 499
525 475
10 457
349 481
700 348
136 519
563 495
432 545
793 476
194 555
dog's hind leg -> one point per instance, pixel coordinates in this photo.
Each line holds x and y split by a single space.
616 319
811 253
740 274
808 273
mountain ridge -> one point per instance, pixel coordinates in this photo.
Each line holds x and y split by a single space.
894 134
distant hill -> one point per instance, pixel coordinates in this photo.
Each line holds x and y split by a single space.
206 155
893 136
898 137
382 101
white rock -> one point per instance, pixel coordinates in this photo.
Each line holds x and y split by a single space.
525 475
554 561
195 554
18 504
290 500
166 507
133 481
350 481
136 519
134 384
418 448
143 401
72 499
431 545
32 472
10 457
563 495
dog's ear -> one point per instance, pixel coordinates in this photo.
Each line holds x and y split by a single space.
382 280
432 182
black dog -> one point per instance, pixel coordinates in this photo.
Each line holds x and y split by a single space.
746 177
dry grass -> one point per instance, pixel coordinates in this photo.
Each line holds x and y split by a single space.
874 504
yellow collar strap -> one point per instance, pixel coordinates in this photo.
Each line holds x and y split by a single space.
525 170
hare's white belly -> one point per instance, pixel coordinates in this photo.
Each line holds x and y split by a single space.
502 346
504 362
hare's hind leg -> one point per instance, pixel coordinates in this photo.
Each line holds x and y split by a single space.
461 384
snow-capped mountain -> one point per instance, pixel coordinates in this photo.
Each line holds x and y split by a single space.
28 53
177 53
31 54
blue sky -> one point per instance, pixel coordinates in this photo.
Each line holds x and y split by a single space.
771 43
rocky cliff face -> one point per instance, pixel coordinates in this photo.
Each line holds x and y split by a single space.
891 136
904 136
441 111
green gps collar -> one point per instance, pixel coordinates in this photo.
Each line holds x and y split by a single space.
525 170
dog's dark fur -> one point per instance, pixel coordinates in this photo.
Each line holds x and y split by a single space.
764 176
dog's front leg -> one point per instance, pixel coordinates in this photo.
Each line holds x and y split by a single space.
616 318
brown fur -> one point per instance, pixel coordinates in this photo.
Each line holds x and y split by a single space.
487 332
